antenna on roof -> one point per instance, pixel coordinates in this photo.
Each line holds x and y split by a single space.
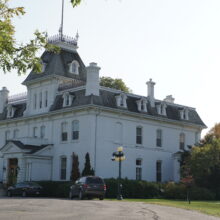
61 26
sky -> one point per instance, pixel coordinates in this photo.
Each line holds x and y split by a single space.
174 42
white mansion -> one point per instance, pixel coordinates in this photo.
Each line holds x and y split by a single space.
65 110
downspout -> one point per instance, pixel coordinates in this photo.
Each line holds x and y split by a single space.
95 142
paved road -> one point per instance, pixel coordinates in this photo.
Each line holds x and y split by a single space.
58 209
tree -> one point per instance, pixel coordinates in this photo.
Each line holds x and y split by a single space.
75 2
204 164
114 83
12 54
75 174
87 171
214 133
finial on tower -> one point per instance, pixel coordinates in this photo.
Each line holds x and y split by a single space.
76 37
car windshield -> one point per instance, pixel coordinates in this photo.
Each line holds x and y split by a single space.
94 180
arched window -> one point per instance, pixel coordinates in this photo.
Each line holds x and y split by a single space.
159 138
74 67
139 135
121 100
64 133
142 105
182 141
67 99
75 130
63 165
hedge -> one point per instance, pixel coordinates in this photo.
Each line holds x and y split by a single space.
134 189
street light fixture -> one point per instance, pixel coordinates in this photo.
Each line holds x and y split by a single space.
119 156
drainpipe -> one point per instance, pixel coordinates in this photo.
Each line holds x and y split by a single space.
95 144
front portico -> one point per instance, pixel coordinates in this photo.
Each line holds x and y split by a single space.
23 162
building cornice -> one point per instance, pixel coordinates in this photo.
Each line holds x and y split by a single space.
117 111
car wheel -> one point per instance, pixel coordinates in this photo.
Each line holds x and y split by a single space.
9 194
101 198
70 195
80 195
24 194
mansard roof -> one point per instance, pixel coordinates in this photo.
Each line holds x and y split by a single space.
57 64
107 100
32 148
19 110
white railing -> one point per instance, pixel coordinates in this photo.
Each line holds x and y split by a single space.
62 38
69 85
18 97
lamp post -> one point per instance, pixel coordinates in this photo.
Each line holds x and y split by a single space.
119 156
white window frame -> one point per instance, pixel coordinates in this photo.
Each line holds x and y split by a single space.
71 65
42 131
159 137
64 131
75 130
35 129
139 137
63 178
139 168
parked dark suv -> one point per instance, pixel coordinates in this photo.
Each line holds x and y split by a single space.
24 189
88 186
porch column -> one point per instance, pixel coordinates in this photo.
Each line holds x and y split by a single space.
176 167
5 171
21 170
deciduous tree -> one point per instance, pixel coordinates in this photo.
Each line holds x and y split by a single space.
14 55
114 83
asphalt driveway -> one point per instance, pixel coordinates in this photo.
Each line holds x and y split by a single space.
63 209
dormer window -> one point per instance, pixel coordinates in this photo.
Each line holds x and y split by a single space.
10 111
184 114
121 100
67 99
161 109
142 105
74 67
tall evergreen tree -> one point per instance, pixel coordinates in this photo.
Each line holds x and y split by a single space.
87 171
75 174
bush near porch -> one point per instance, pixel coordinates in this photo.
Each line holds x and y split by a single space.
134 189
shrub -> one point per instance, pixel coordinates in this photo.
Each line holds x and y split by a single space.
57 189
133 189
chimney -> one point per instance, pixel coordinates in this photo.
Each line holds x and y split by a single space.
3 98
150 90
92 81
169 98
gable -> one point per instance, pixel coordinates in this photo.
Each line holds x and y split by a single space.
11 148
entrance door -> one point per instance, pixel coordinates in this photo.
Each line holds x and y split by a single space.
12 171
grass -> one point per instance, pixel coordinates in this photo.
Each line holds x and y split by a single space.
207 207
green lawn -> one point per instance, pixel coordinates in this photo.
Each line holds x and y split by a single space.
207 207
